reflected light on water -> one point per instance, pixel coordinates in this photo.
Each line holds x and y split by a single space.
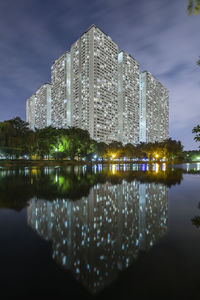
26 171
135 167
56 178
94 169
97 218
103 233
46 170
113 169
34 171
84 168
143 167
157 168
100 167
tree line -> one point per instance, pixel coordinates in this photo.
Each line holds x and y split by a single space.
18 141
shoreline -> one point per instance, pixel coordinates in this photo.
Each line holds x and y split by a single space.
53 163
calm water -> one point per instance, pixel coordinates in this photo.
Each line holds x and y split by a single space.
100 231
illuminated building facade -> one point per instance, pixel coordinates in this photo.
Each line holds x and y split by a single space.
94 96
97 88
30 111
128 99
43 106
154 109
38 108
61 89
99 235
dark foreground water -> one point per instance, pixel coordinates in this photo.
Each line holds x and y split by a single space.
100 232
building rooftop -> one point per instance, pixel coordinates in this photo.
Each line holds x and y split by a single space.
59 57
145 71
94 26
129 55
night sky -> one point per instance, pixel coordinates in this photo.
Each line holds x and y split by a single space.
158 33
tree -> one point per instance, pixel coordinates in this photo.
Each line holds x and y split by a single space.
168 149
115 150
13 134
193 7
130 151
73 142
101 149
172 149
45 139
196 131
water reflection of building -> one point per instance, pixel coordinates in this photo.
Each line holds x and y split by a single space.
99 235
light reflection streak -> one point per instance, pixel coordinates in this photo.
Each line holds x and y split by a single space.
113 169
157 168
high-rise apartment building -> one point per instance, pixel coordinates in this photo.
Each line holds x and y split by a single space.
43 106
60 92
38 108
94 85
97 88
154 109
30 111
128 99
